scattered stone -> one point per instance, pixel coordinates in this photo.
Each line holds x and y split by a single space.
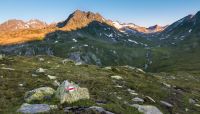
108 68
1 76
101 102
34 108
66 61
117 77
140 70
137 99
132 92
40 70
51 77
56 83
80 110
147 109
21 85
186 109
120 98
1 57
166 104
39 94
34 75
197 105
4 68
100 110
118 86
78 63
150 99
167 85
53 107
192 101
41 59
69 92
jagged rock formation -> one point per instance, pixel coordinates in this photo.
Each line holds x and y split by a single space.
80 19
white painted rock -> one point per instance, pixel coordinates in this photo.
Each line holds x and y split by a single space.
69 92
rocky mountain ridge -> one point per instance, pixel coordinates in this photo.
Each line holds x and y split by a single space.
13 25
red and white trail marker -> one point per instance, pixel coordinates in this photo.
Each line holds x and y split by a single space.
70 88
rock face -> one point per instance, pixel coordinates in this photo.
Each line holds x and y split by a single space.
147 109
69 92
80 19
34 108
39 94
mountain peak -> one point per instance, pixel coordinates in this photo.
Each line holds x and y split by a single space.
80 19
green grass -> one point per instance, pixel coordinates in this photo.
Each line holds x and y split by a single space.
98 81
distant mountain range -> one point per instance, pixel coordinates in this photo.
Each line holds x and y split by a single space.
12 25
88 37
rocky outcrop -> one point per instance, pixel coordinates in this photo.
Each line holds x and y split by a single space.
80 19
39 94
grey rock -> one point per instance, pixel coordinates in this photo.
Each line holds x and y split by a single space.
197 105
78 63
147 109
100 110
4 68
34 108
40 70
150 99
41 59
167 85
34 75
137 99
1 56
117 77
78 110
132 92
51 77
192 101
66 61
38 94
166 104
108 68
69 92
56 83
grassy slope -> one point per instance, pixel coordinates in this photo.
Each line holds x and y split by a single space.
95 79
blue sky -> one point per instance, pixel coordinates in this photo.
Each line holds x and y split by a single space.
140 12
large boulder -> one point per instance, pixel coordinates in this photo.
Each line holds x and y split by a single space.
39 94
34 108
147 109
69 92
